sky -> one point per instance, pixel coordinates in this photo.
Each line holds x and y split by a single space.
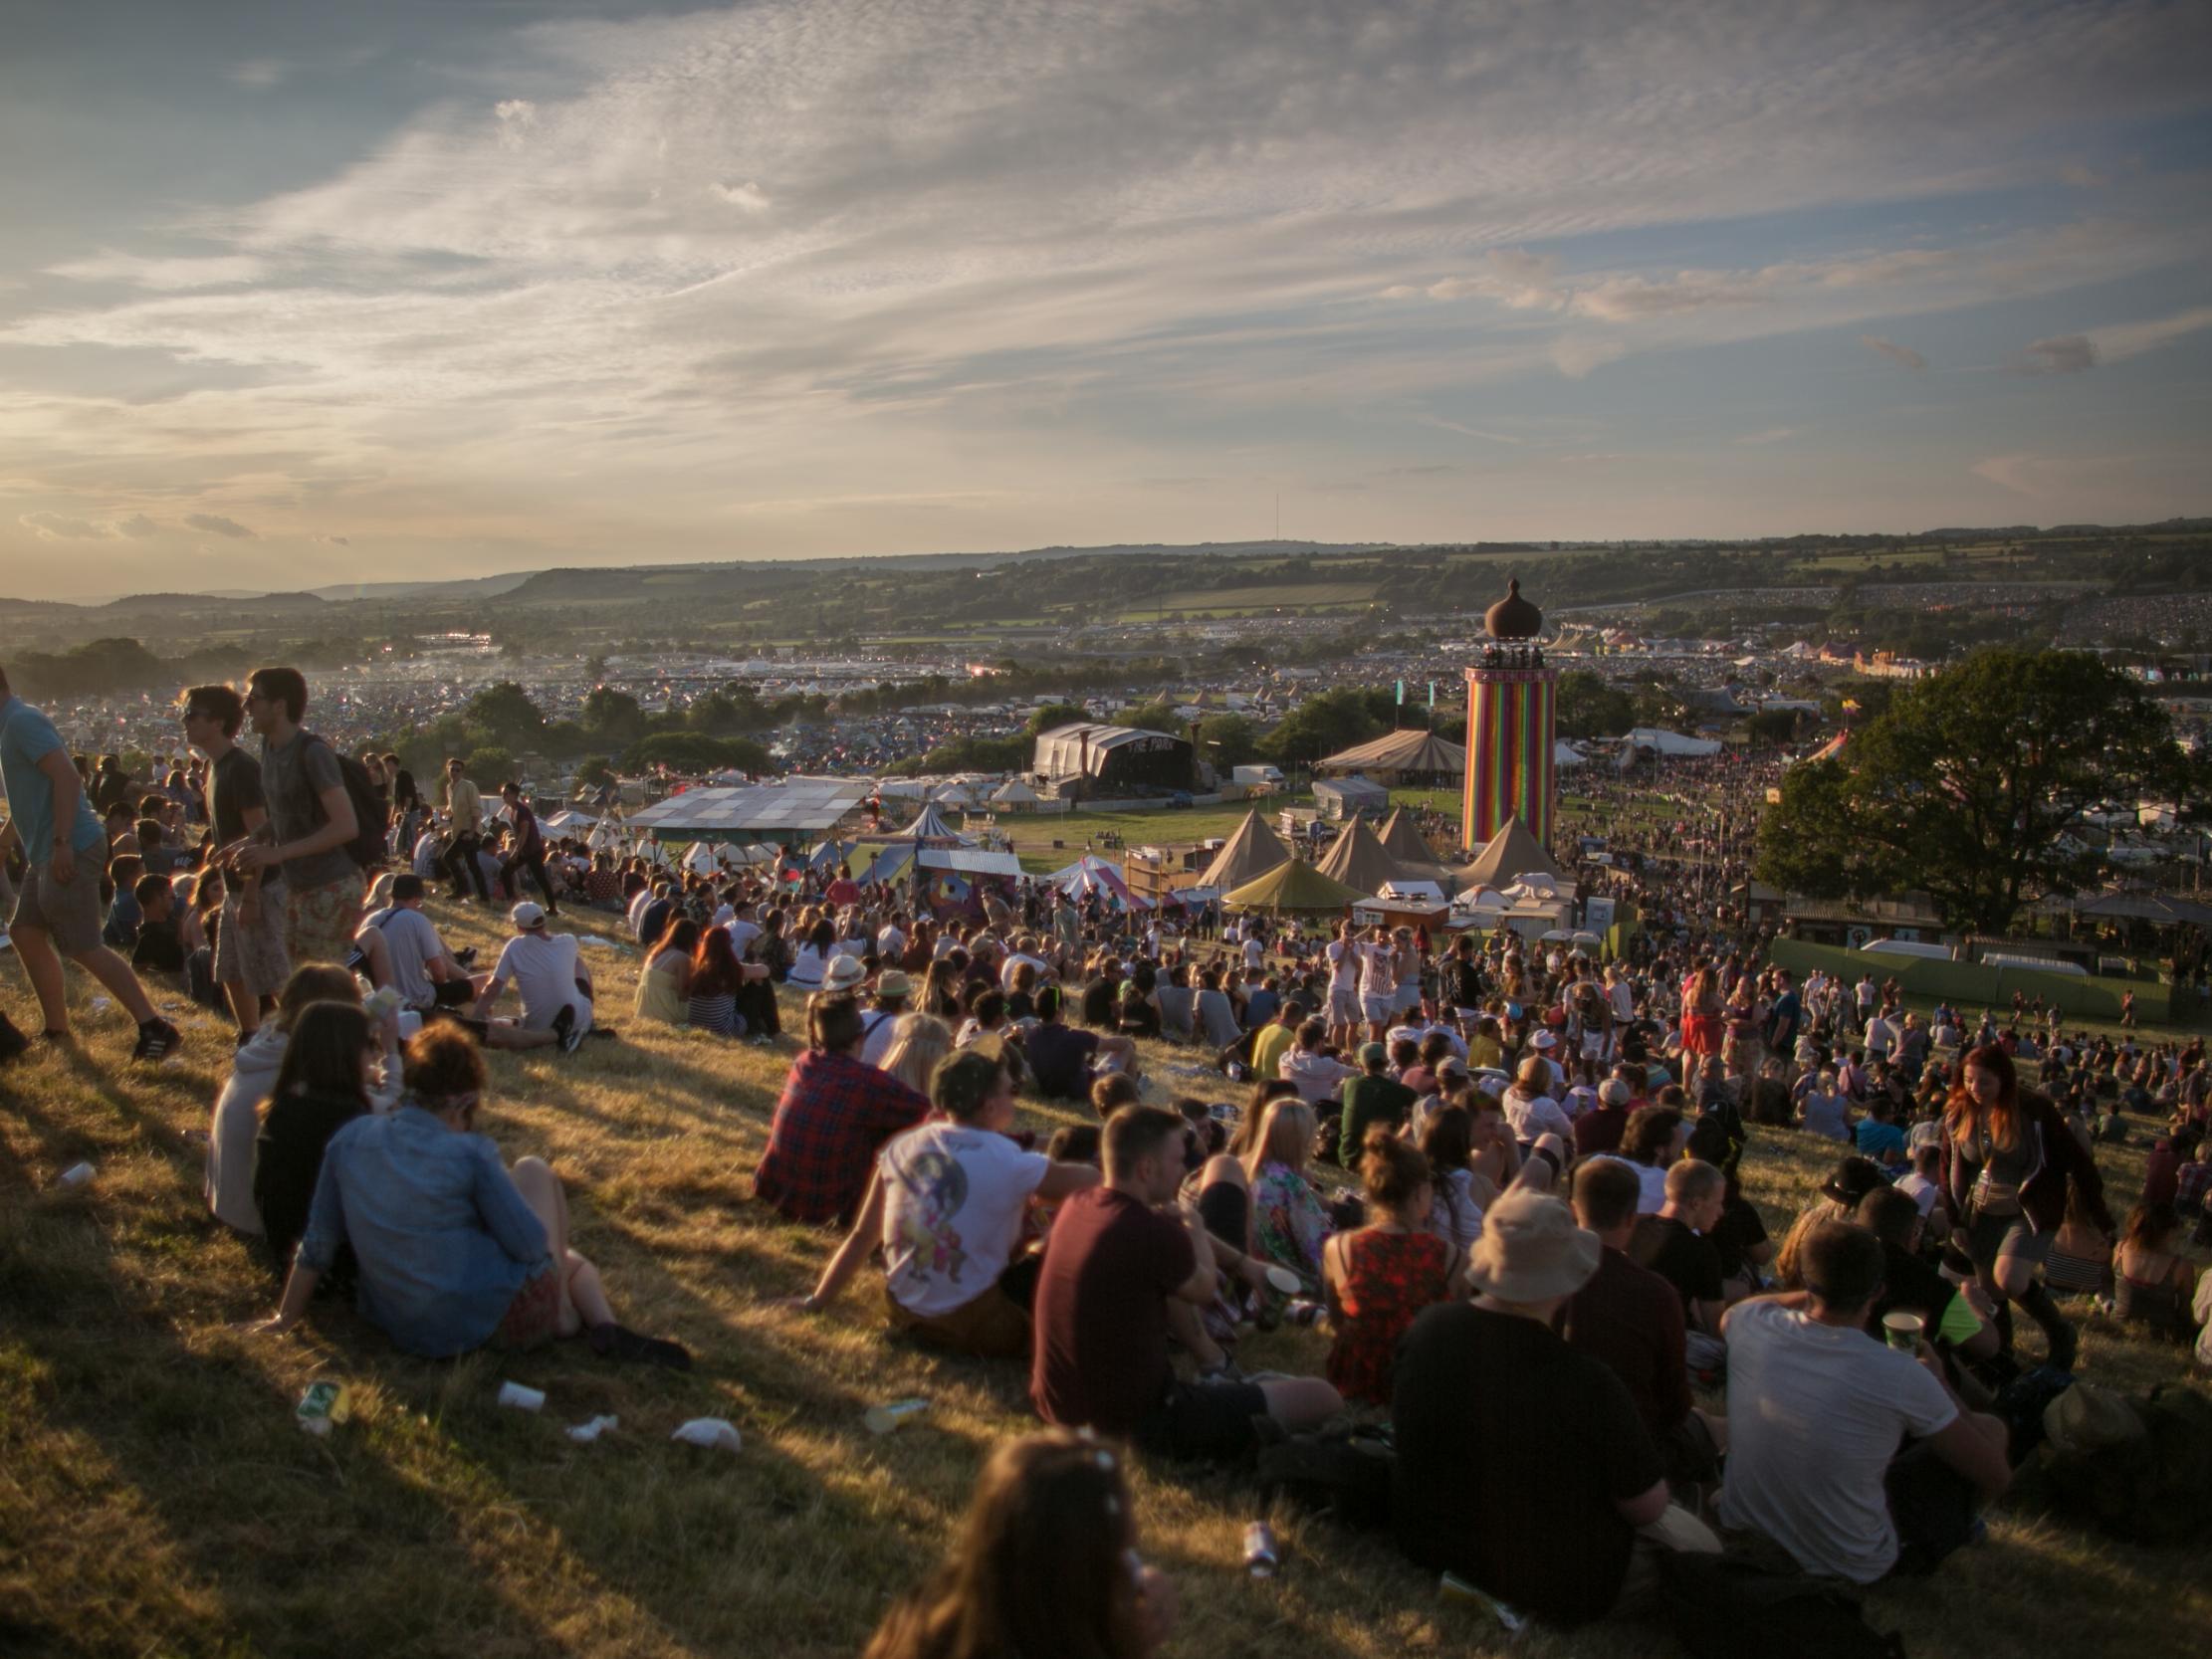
297 296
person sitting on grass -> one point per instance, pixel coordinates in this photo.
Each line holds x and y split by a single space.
947 1206
664 982
403 950
2154 1284
1318 1074
1047 1564
235 1123
159 951
548 973
454 1250
716 979
1062 1056
1631 1321
835 1114
1817 1409
1289 1222
1482 1493
1373 1097
1379 1277
322 1086
1116 1258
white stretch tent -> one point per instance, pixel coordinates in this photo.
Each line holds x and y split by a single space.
1671 744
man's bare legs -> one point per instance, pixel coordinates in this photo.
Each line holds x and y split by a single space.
45 969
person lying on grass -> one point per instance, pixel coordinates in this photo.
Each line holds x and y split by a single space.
454 1250
1047 1564
947 1205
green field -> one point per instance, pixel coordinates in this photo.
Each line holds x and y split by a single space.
156 1497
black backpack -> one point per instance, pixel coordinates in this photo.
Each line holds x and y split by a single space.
1341 1471
367 849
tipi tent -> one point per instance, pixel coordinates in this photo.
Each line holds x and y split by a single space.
1358 860
1414 861
1248 855
1291 886
1089 874
932 828
1511 852
1013 793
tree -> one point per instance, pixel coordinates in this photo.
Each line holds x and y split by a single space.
1972 786
1055 715
490 767
1152 716
1322 725
594 771
1589 707
692 751
1227 741
506 710
613 718
1772 725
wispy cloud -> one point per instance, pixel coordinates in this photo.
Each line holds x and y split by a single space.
214 524
2059 355
1903 355
60 527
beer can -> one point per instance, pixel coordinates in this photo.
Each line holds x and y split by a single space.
323 1404
1261 1556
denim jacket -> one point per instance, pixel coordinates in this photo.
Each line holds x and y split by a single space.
443 1238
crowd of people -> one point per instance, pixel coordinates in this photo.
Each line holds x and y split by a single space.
1491 1170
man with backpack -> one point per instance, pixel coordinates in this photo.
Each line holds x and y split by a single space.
311 822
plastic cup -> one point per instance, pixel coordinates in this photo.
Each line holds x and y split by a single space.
77 1174
882 1419
1902 1330
1283 1279
519 1397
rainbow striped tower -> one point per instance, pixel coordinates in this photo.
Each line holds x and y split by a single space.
1512 726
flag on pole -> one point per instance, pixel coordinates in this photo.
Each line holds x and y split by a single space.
1432 697
1401 694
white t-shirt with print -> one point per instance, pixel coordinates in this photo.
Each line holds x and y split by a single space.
541 966
1815 1414
952 1213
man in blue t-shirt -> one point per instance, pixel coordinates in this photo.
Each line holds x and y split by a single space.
57 914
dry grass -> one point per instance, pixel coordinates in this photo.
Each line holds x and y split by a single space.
156 1497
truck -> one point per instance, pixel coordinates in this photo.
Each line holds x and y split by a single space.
1256 778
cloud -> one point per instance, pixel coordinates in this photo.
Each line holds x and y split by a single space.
1903 355
214 524
335 540
60 527
165 274
1577 354
138 526
2119 342
2059 355
259 73
2080 178
748 195
1772 435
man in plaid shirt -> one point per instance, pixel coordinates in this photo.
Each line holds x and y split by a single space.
835 1115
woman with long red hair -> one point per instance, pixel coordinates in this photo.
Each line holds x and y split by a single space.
2009 1165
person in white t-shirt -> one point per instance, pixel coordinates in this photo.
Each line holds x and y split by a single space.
879 1024
1817 1412
1024 950
413 959
743 929
947 1204
1883 1037
548 973
1344 986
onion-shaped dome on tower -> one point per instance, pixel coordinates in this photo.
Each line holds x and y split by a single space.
1512 617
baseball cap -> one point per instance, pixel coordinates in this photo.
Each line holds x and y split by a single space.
528 915
1374 1054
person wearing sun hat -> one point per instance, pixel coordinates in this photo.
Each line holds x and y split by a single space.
1476 1493
879 1024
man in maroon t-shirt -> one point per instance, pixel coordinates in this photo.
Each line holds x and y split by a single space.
1630 1320
1112 1263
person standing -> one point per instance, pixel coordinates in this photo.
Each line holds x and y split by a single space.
57 914
311 821
528 848
464 805
250 960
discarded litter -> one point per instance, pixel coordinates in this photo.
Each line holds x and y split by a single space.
519 1397
77 1174
584 1433
1452 1588
710 1432
323 1404
882 1419
1261 1554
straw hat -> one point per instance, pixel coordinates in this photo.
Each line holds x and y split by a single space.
1531 1250
844 973
2087 1418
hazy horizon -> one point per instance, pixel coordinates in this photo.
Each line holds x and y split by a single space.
295 297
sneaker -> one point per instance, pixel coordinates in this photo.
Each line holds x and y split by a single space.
466 955
157 1040
564 1027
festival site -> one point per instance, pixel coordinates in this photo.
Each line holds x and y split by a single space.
1105 829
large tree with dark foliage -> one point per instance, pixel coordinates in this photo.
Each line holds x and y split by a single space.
1972 787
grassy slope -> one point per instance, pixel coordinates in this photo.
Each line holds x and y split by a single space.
155 1499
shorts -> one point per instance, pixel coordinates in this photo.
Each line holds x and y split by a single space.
251 954
1409 996
451 993
989 1327
1378 1010
67 911
320 921
1992 1238
1203 1423
1344 1006
532 1318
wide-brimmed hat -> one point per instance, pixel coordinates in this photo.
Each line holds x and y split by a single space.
1854 1179
2087 1418
1531 1250
890 984
843 973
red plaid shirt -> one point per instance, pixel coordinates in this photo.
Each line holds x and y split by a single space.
835 1115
